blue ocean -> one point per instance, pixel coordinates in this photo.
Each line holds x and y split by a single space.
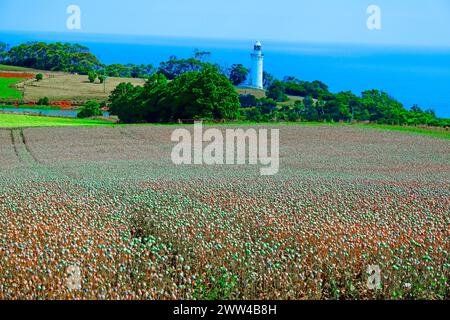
413 75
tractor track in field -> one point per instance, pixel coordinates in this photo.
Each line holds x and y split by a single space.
126 133
14 144
21 149
27 158
27 148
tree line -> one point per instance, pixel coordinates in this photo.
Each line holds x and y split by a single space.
67 57
75 58
317 103
205 94
194 88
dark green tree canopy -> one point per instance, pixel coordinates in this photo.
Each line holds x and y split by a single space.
268 79
90 109
127 104
248 100
54 56
238 74
276 92
92 75
175 67
205 94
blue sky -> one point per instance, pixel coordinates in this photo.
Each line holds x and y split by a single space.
404 22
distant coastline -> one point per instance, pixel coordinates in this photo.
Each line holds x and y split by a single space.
411 75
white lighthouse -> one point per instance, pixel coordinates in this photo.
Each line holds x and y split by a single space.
257 66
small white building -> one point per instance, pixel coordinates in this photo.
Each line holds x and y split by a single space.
256 77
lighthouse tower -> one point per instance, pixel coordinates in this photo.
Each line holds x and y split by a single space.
257 66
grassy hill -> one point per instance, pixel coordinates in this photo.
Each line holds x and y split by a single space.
7 91
63 86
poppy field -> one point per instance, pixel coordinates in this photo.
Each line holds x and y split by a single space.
108 202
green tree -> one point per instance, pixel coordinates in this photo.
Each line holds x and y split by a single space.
39 76
101 78
129 70
309 110
206 94
268 79
267 105
251 114
417 116
155 89
92 75
176 67
90 109
238 74
52 56
383 108
316 89
3 50
127 103
248 100
276 92
202 56
338 108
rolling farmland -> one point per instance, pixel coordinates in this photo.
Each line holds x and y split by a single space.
109 201
6 89
56 85
62 86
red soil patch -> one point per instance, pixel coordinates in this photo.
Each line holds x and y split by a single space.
17 75
64 104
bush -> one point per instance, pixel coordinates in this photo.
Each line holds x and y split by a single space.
92 75
238 74
252 114
101 78
90 109
267 105
43 101
39 76
276 92
248 100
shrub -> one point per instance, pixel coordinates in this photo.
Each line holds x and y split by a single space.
248 100
276 92
90 109
92 75
43 101
101 78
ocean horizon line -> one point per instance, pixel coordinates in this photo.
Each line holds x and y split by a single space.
80 35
